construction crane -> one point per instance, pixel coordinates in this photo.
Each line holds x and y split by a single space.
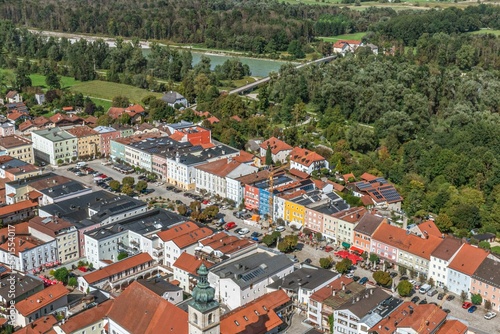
271 197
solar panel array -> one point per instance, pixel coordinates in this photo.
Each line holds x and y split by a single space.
390 194
363 185
253 274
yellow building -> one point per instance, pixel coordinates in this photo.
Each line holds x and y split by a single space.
294 213
17 147
88 141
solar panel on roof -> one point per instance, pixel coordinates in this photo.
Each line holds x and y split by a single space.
3 269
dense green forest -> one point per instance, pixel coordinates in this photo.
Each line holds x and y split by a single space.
424 112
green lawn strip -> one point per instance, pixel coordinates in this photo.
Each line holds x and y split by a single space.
355 36
108 90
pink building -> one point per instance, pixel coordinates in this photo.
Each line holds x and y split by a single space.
314 220
106 134
160 165
486 282
7 129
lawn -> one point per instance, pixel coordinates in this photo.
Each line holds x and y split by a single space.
104 90
495 249
486 31
106 104
356 36
39 80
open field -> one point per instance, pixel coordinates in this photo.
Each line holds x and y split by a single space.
486 31
39 80
103 103
108 90
356 36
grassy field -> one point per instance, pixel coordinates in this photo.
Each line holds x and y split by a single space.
495 249
108 90
106 104
39 80
356 36
486 31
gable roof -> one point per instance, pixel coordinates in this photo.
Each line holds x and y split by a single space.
369 223
82 131
220 168
41 299
276 145
190 263
429 228
305 157
399 238
447 248
328 290
192 237
87 317
453 327
117 267
42 325
258 316
244 157
462 261
11 94
177 230
489 272
141 311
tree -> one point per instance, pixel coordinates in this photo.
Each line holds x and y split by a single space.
127 190
61 275
210 212
141 185
122 256
431 282
318 236
128 180
288 243
484 245
52 80
73 282
325 262
476 299
269 156
383 278
182 209
463 296
114 185
404 288
120 101
343 266
373 258
487 305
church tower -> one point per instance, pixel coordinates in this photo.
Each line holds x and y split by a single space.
204 311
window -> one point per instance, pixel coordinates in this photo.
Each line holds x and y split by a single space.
210 318
195 318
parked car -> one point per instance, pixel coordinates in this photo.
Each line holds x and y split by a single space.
243 231
446 310
280 228
466 305
363 280
424 288
450 297
308 261
230 225
256 234
423 301
440 296
237 230
393 274
490 315
472 309
432 292
356 278
415 299
349 275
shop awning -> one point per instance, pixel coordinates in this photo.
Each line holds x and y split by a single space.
345 245
357 250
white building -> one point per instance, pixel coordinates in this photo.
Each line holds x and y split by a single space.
307 161
185 268
90 321
280 151
440 258
462 267
244 279
54 144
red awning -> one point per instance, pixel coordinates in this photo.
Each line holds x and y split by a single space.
356 249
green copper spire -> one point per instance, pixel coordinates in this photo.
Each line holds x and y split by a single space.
203 293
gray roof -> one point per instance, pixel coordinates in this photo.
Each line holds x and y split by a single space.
23 182
484 236
368 224
172 97
24 284
308 278
54 134
14 163
252 268
114 206
144 224
383 310
488 272
198 155
75 209
180 125
447 248
368 300
104 129
160 145
60 190
159 285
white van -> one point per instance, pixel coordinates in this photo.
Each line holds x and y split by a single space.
424 288
81 164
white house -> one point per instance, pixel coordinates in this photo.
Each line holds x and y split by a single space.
307 161
244 279
185 268
54 144
173 98
441 258
462 267
280 151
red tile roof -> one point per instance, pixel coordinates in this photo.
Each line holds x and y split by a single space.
258 316
244 157
429 228
82 131
190 263
399 238
14 141
351 215
13 116
298 173
220 167
116 112
87 317
11 94
118 267
336 186
367 177
463 260
276 145
236 118
177 230
140 311
91 120
328 290
346 177
366 200
42 325
23 205
41 299
305 157
213 120
225 243
453 327
191 238
60 117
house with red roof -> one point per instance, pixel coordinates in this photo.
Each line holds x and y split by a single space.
185 268
345 46
383 194
92 320
136 112
65 120
13 97
280 151
307 161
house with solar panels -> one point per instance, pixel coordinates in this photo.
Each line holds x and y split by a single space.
381 192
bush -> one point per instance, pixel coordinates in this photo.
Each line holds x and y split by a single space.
476 299
325 262
61 275
73 282
383 278
404 288
343 266
122 256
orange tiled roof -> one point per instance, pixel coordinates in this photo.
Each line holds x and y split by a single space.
220 167
117 267
60 117
190 263
140 311
32 195
42 325
236 118
453 327
346 177
191 238
82 131
276 145
366 200
87 317
257 316
116 112
13 116
397 237
351 215
367 177
225 243
177 136
305 157
327 290
41 299
244 157
213 120
177 230
298 173
23 205
462 261
429 227
91 120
